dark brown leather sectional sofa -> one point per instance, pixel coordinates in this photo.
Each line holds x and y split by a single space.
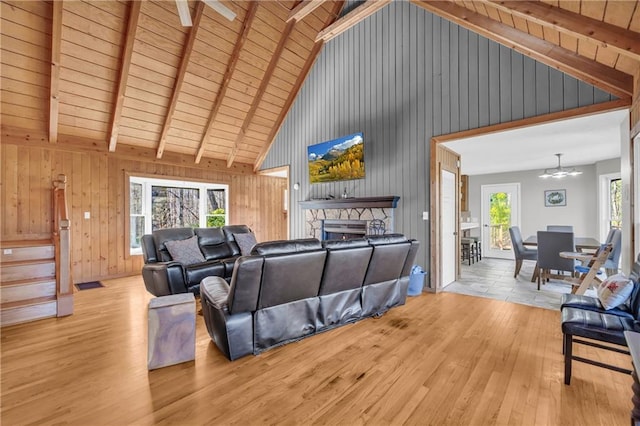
287 290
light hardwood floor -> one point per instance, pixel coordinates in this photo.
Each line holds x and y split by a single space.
440 359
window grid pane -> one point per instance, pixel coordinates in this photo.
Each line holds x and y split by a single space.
174 207
135 198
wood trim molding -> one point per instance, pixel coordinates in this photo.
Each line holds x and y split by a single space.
231 67
350 19
302 76
539 119
608 36
606 78
303 9
273 170
263 87
177 86
56 42
127 52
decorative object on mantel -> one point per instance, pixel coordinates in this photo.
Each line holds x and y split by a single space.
555 198
559 172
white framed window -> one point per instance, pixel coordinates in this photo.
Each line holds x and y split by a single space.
169 203
610 211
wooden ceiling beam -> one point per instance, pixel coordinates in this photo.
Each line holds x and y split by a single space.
263 87
177 86
350 19
592 72
127 52
620 40
303 9
231 67
56 42
317 48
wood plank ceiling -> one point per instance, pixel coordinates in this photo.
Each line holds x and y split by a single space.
121 73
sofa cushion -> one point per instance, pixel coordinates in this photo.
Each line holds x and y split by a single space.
230 231
186 251
580 301
286 246
245 242
197 272
596 325
213 243
344 244
614 291
161 236
345 268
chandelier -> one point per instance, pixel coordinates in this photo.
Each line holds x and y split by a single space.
560 172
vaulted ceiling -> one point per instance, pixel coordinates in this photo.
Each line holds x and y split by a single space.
120 74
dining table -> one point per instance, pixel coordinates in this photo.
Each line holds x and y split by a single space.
581 243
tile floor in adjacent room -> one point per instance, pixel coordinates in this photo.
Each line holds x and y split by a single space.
493 278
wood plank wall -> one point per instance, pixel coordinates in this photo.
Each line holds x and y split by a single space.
403 76
96 183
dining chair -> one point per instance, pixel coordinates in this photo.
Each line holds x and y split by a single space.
519 250
560 228
612 264
550 244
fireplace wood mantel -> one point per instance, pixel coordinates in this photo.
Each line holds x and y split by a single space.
352 203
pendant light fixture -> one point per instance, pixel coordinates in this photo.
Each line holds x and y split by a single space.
560 172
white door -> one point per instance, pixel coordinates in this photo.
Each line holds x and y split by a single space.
449 255
500 211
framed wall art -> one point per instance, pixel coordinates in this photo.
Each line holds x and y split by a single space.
555 197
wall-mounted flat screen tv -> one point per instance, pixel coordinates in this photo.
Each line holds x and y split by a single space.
338 159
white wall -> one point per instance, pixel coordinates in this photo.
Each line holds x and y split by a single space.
582 198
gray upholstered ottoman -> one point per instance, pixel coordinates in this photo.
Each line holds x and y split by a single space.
172 330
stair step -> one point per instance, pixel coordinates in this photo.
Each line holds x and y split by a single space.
22 253
28 269
28 310
14 291
25 243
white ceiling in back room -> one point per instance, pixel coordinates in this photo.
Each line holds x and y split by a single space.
583 140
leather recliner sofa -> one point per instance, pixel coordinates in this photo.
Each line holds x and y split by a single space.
163 276
287 290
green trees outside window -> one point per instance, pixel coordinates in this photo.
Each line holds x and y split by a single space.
500 215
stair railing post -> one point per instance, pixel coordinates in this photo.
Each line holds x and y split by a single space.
62 243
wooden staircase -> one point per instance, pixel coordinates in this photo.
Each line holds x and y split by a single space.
35 276
27 281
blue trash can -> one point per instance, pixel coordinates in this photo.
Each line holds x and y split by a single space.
416 280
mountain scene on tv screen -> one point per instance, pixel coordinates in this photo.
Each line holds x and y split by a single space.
341 159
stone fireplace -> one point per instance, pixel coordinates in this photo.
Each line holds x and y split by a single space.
348 217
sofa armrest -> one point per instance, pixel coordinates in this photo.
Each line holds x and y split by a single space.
232 334
164 278
216 290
